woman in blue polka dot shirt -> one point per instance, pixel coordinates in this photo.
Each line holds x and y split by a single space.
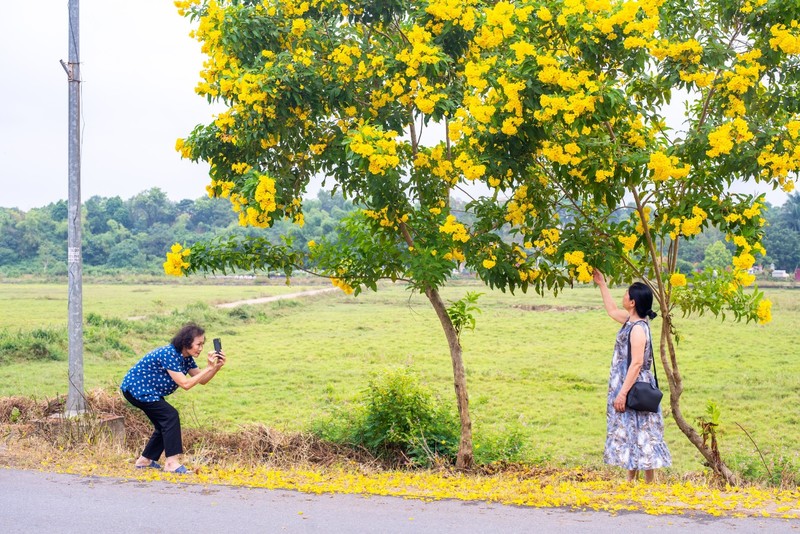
158 374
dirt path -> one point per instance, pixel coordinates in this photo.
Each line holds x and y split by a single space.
262 300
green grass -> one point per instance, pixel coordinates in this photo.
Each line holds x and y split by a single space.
536 364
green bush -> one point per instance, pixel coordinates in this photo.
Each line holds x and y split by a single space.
775 469
396 419
505 446
33 345
107 336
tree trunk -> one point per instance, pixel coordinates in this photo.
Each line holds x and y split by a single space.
675 391
465 458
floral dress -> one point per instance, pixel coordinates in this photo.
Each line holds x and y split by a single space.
635 440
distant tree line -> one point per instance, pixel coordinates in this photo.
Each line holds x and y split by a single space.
133 235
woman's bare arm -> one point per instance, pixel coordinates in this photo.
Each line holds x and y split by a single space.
611 308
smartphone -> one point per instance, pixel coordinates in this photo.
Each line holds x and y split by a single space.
217 345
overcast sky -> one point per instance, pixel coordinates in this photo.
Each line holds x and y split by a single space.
139 69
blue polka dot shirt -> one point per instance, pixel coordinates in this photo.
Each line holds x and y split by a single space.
149 381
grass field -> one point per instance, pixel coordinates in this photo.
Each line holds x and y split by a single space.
535 365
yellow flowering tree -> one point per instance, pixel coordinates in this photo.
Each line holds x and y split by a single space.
346 90
567 102
555 109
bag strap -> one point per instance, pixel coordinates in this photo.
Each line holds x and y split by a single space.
653 358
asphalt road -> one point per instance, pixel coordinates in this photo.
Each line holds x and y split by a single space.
35 502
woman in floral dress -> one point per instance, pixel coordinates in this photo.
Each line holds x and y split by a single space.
635 440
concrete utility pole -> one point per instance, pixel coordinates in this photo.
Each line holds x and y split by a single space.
76 402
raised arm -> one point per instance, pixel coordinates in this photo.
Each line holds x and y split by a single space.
611 308
197 376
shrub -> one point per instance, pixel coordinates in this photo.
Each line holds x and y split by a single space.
32 345
397 420
505 446
107 336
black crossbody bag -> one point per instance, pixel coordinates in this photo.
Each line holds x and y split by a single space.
643 396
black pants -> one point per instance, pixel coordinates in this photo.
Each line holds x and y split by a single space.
167 423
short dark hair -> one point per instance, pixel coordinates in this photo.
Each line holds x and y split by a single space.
185 336
641 294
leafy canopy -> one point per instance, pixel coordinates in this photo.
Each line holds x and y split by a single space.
554 110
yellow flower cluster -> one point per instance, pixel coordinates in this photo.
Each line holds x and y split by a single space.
764 311
455 255
470 169
176 260
522 49
744 279
688 226
378 147
499 24
474 71
677 280
781 158
723 138
636 133
746 73
490 262
785 39
460 12
665 167
383 218
564 155
265 200
621 17
224 121
424 96
420 51
480 110
341 284
183 148
701 79
295 209
511 90
437 209
440 166
570 108
750 5
219 188
548 242
519 208
752 211
344 55
454 228
583 269
240 168
184 5
628 241
639 223
551 73
529 274
687 52
744 261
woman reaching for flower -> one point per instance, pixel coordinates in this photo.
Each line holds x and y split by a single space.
635 440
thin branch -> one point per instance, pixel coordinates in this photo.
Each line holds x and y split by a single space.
763 461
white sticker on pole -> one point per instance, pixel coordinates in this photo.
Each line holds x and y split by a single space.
73 255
